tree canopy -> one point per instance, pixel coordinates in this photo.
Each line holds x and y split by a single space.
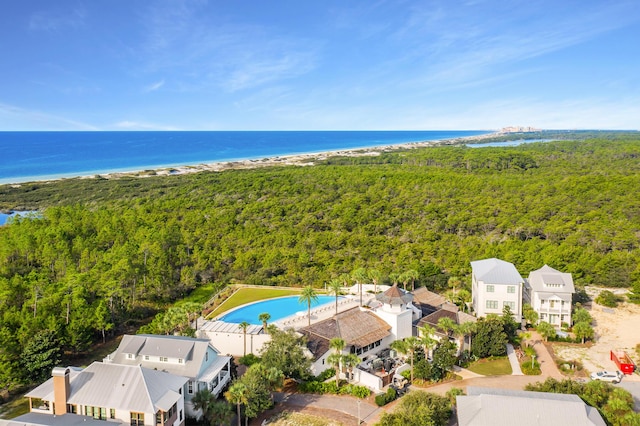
106 254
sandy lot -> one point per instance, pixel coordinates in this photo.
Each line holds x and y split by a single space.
617 328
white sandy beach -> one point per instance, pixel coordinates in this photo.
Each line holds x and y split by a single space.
308 159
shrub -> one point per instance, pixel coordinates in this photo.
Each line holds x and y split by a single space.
528 369
326 374
385 398
248 360
607 298
354 390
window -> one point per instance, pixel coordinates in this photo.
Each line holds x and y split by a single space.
129 356
490 288
180 415
137 419
180 361
511 305
164 359
206 356
492 304
112 413
73 409
511 289
552 303
146 357
190 387
98 413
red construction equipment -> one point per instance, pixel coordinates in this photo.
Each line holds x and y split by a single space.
623 361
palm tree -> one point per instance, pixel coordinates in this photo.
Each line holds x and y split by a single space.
308 296
404 279
202 400
394 277
467 329
337 344
426 333
238 394
359 276
335 287
412 275
350 361
264 318
408 347
446 324
243 326
375 276
192 310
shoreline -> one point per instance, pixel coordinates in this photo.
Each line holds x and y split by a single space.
303 159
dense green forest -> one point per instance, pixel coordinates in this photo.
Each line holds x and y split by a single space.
104 253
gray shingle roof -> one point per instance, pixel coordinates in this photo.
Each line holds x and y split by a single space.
496 271
395 296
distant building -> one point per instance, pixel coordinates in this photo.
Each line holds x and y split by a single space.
503 407
549 293
195 359
123 394
458 317
495 284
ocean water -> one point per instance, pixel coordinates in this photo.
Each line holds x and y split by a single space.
28 156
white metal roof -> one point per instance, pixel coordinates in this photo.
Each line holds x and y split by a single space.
547 279
504 407
496 271
229 327
123 387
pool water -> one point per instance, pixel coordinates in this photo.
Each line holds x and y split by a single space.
279 308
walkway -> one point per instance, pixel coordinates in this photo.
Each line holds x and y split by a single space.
513 360
547 363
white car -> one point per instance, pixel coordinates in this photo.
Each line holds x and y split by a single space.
607 376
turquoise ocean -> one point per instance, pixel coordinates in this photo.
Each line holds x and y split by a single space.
30 156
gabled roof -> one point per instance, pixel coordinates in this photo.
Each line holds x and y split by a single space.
123 387
498 407
496 271
357 328
191 350
395 296
547 279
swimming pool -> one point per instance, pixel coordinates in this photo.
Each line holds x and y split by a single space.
279 308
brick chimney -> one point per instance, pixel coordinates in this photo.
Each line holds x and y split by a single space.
61 389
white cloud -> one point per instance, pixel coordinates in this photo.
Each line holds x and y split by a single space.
17 118
47 21
153 87
138 125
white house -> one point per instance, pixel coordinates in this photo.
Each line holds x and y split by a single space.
494 285
124 394
195 359
549 293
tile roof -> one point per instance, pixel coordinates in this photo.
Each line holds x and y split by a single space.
395 296
356 327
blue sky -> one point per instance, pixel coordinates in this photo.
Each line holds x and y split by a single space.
319 65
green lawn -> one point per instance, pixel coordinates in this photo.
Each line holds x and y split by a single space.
248 295
491 367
